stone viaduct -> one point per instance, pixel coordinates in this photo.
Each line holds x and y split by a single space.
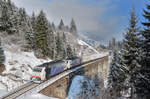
98 68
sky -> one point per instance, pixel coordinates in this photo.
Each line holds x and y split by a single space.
99 19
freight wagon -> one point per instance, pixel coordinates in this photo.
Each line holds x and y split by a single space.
45 71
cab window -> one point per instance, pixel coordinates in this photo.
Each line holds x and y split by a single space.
37 69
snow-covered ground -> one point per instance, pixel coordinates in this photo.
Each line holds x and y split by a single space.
18 59
89 53
83 88
38 96
19 66
2 91
90 47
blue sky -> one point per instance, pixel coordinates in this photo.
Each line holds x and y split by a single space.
100 19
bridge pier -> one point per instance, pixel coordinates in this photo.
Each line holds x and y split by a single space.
57 89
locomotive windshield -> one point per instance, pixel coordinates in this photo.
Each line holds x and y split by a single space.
37 69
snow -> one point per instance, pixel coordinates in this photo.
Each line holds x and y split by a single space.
38 96
83 43
2 92
75 87
88 54
2 86
88 40
21 58
2 89
82 87
19 66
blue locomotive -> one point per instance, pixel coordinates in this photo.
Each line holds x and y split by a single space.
45 71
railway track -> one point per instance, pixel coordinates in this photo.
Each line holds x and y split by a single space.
28 86
21 90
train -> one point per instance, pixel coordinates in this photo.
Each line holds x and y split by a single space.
44 71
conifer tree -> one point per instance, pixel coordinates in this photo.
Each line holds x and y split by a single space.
130 54
110 45
25 29
53 26
41 36
33 21
73 28
23 15
113 43
61 25
69 52
116 75
59 47
2 56
144 76
51 42
64 45
12 17
9 2
5 23
54 47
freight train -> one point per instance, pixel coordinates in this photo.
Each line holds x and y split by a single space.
45 71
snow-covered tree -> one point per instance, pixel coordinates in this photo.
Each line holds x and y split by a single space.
73 28
130 54
2 56
59 47
12 17
64 40
41 36
116 75
25 29
144 77
70 53
61 25
6 24
53 26
113 43
33 21
51 42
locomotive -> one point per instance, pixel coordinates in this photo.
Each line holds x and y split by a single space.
45 71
